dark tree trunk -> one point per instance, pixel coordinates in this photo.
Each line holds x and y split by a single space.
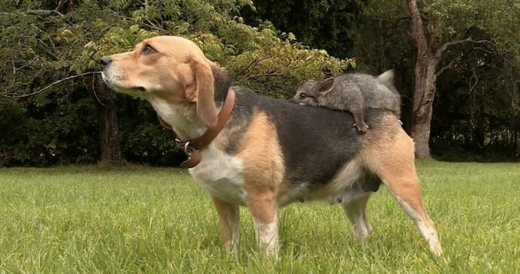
516 140
430 50
425 89
102 95
428 56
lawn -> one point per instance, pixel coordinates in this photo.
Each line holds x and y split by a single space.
156 220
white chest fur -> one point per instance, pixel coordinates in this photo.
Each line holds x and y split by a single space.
221 175
183 121
218 173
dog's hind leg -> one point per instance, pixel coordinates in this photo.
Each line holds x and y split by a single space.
391 158
356 213
406 192
229 218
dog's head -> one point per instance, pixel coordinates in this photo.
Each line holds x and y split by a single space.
172 70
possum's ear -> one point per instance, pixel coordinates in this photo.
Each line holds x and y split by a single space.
325 86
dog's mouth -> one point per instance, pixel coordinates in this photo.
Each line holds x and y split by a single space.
139 88
107 80
133 90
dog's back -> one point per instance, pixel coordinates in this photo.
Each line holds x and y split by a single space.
305 133
316 143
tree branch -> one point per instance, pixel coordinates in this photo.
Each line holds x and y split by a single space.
264 75
152 25
2 13
11 95
60 5
44 13
447 66
92 86
474 84
246 68
46 51
468 40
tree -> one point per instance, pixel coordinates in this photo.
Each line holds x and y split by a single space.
52 51
471 55
324 24
447 27
42 51
108 125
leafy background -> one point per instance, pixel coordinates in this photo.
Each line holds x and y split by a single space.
270 46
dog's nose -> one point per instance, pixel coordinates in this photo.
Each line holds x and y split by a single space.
105 60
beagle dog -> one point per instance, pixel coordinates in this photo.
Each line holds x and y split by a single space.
266 153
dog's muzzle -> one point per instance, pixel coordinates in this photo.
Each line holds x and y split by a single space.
105 61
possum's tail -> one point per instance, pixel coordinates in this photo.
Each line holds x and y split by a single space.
387 79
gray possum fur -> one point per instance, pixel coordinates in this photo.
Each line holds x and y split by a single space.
352 92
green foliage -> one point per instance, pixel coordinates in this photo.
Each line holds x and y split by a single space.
499 18
476 110
257 56
43 128
52 128
469 126
58 125
324 24
40 46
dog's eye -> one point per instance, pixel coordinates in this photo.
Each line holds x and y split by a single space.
147 50
303 95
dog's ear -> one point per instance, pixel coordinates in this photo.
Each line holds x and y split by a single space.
325 86
202 93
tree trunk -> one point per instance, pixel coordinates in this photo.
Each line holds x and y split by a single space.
102 95
516 140
425 89
425 80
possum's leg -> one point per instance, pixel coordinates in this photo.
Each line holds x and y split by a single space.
356 104
360 121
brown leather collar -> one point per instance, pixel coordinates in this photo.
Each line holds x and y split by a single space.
192 147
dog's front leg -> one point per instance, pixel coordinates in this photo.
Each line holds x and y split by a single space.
263 209
229 218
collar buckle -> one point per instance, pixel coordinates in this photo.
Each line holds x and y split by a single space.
192 151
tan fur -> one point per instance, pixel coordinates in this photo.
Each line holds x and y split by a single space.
263 167
347 176
182 79
263 172
356 212
201 91
391 157
163 123
389 153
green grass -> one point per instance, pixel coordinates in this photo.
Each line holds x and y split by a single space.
156 220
